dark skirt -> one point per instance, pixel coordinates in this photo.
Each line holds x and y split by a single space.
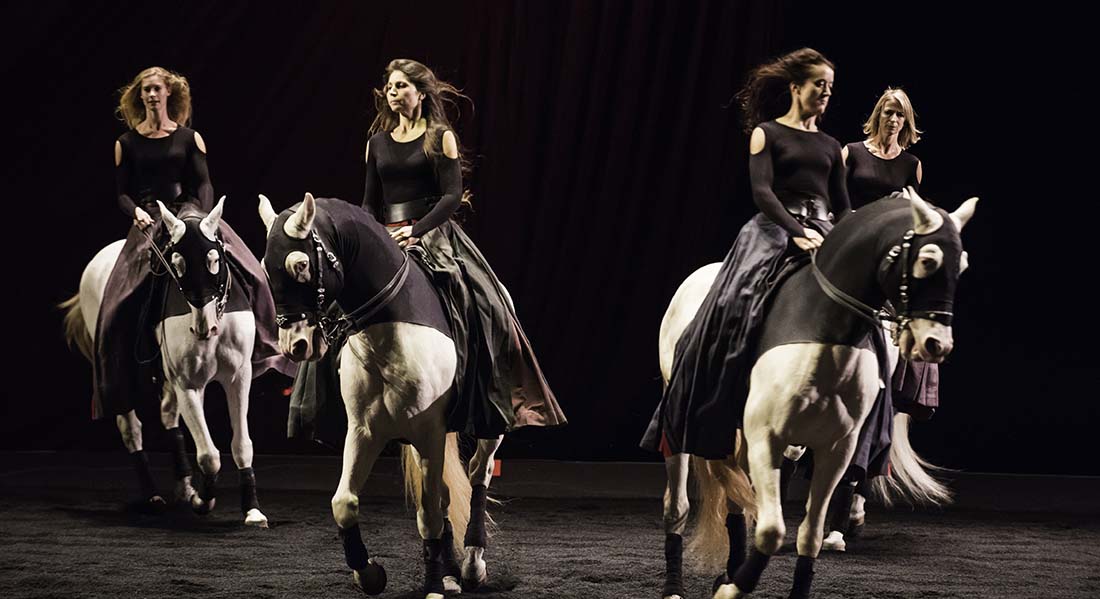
872 455
498 383
126 364
917 389
704 401
914 389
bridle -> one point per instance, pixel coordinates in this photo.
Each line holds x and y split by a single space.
901 317
332 329
222 296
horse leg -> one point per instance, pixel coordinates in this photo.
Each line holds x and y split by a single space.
360 452
829 467
429 514
857 513
765 460
207 454
181 465
838 514
736 529
676 508
130 428
452 571
237 395
474 573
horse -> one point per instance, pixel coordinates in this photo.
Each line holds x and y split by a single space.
816 394
206 334
397 369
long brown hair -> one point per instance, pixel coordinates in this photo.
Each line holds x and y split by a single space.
766 94
438 96
909 133
131 110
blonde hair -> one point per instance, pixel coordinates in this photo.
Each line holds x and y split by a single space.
131 110
909 133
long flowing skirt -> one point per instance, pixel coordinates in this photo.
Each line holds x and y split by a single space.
704 401
498 385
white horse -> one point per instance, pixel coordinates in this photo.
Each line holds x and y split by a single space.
395 379
196 348
811 394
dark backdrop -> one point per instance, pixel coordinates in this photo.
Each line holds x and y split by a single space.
608 168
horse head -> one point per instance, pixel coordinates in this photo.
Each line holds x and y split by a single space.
919 274
303 277
195 257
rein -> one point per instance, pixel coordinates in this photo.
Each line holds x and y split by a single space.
899 318
334 328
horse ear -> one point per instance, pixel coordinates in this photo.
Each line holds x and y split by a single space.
176 228
299 223
962 215
925 218
267 213
209 225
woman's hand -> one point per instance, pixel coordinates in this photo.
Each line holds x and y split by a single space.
403 236
142 219
811 240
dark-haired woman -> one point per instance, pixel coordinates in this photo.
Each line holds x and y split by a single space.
798 183
414 186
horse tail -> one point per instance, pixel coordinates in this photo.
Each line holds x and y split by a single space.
717 482
455 479
76 330
909 477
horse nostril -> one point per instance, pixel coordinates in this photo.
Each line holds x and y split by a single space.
299 347
933 346
214 330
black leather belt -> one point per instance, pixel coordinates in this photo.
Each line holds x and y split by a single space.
413 209
809 209
171 195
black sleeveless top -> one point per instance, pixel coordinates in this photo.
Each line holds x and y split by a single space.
795 167
871 178
403 183
171 169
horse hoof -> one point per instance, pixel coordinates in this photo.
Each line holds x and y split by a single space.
672 597
728 591
184 490
855 529
202 506
371 579
256 518
834 542
152 505
451 586
474 573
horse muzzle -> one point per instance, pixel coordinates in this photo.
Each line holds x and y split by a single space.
204 322
926 341
302 342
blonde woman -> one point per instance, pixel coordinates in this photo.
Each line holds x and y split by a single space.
159 158
878 166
